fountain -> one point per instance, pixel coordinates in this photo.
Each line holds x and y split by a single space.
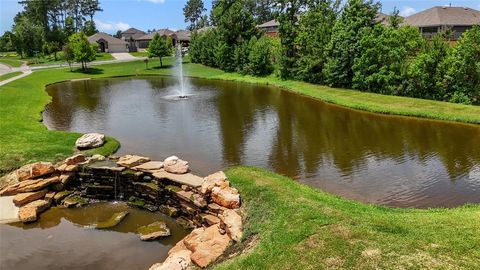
182 93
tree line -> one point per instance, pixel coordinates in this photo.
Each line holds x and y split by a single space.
324 42
45 26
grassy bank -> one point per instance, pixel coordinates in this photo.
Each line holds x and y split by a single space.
297 227
9 75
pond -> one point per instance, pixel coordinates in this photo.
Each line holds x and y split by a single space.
388 160
65 239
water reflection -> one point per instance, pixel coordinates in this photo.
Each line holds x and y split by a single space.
389 160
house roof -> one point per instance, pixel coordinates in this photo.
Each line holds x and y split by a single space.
161 32
111 40
437 16
133 31
182 35
272 23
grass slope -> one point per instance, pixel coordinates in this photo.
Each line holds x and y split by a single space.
11 61
9 75
298 227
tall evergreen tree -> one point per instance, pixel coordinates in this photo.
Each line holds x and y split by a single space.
342 49
193 13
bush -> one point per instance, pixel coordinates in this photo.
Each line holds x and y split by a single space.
260 57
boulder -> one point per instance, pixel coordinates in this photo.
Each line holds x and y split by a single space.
90 140
232 223
67 168
153 231
95 158
30 211
215 179
227 197
50 195
34 170
113 221
73 160
28 186
206 245
66 178
210 219
150 166
179 260
199 200
132 160
175 165
61 195
8 179
24 198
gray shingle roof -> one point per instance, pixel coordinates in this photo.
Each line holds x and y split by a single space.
437 16
161 32
272 23
111 40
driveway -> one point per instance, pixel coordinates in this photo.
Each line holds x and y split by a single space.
123 56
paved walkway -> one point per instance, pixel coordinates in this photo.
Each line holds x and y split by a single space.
4 69
8 210
26 70
124 56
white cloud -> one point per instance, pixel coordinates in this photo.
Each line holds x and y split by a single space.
111 26
157 1
407 11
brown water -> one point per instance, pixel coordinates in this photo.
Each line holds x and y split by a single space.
395 161
64 239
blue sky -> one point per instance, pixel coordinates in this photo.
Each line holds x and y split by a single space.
149 14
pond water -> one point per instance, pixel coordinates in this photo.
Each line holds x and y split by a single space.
64 239
389 160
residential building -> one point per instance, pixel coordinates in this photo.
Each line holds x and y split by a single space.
130 36
182 36
270 28
107 43
436 19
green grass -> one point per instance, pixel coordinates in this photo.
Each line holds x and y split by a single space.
293 226
104 56
13 62
139 54
9 75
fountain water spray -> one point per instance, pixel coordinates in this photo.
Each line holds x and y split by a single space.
183 87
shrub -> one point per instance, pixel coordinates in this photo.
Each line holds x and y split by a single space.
260 57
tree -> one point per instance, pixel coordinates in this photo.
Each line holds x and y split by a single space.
7 42
462 79
263 10
68 55
158 48
395 19
90 7
28 37
260 57
118 34
383 57
342 48
314 33
83 51
426 73
89 28
193 12
69 28
288 11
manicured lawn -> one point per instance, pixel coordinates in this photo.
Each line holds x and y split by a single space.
9 75
139 54
13 62
291 226
104 56
294 226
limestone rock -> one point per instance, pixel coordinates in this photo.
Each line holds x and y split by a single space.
183 179
132 160
227 197
29 212
210 219
179 260
73 160
169 210
150 166
175 165
8 179
95 158
112 221
61 195
66 178
90 140
49 196
28 186
67 168
206 245
185 195
232 222
35 170
199 200
24 198
215 179
153 231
